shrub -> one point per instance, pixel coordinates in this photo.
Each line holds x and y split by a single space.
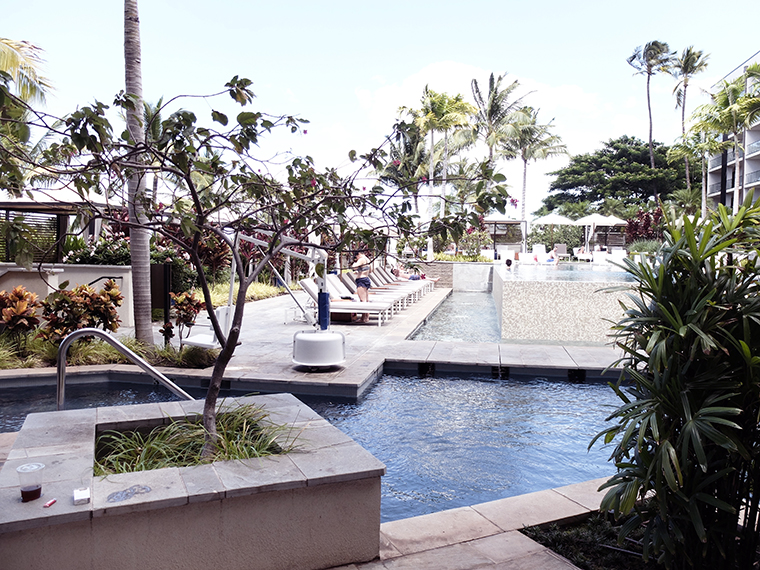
687 433
185 309
645 226
19 315
112 248
82 307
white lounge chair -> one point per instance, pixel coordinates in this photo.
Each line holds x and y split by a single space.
204 336
383 311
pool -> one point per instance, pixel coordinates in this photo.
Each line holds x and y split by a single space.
16 403
458 441
464 317
586 272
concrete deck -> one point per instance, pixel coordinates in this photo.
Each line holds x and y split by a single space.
480 536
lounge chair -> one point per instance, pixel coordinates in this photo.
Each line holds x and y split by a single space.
383 311
204 336
347 288
582 256
424 285
562 251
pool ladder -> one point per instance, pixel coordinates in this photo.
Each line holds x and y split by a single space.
64 348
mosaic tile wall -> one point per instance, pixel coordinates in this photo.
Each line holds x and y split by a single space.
557 311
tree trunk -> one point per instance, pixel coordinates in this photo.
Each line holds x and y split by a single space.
139 238
683 132
430 253
651 146
525 186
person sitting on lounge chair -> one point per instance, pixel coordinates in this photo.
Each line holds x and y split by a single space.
362 267
401 274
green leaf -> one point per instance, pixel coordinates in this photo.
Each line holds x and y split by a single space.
219 117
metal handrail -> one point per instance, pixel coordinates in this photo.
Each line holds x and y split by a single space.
64 348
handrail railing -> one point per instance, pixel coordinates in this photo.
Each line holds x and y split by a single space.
64 348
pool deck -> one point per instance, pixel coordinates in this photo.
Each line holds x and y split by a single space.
480 536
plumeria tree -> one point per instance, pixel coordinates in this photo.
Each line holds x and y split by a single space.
223 188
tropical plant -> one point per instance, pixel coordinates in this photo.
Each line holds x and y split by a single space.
497 119
406 162
683 67
19 315
645 225
533 142
22 61
735 106
687 438
185 309
440 112
65 310
230 191
649 59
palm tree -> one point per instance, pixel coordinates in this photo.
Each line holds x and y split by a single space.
497 119
22 60
407 158
735 107
648 60
153 132
139 238
534 142
440 112
682 68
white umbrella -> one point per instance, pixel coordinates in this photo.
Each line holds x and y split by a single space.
554 220
595 220
613 221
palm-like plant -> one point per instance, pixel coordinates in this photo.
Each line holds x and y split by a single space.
22 61
533 142
497 119
735 106
652 58
689 63
440 112
407 158
687 434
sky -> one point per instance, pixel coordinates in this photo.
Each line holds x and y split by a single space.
347 67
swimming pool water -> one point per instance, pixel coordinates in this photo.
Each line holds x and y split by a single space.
464 317
453 442
16 403
597 273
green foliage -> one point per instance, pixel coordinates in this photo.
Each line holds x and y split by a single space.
461 258
112 248
188 357
82 307
19 312
19 237
185 309
649 246
473 241
244 432
619 170
687 433
572 236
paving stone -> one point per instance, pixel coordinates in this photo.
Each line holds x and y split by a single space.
506 546
586 493
531 509
438 529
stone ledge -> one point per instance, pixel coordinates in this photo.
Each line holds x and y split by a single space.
65 442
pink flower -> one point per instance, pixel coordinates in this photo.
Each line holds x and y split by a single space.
305 131
396 162
313 182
